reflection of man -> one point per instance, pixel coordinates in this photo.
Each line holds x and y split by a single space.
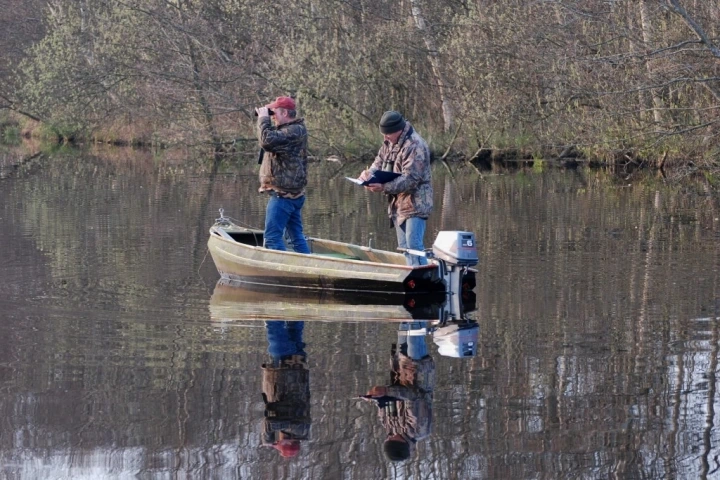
405 405
286 388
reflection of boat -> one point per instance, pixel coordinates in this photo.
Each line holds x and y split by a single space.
239 255
233 301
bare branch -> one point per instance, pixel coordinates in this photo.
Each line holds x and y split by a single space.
674 6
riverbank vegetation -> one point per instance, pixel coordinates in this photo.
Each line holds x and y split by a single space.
627 81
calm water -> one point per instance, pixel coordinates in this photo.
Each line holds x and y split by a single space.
597 303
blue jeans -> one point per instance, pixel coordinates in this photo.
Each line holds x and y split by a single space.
284 215
415 345
410 235
285 339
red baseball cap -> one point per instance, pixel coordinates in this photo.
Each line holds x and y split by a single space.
283 102
287 448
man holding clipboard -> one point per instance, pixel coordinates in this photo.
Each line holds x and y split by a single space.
401 170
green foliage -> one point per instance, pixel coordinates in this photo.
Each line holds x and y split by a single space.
517 75
713 179
539 166
46 133
10 134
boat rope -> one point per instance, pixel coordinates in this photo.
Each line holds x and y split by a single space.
238 222
226 220
207 250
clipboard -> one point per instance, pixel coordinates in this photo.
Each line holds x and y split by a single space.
379 176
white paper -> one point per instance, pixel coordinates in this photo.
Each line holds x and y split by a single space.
356 180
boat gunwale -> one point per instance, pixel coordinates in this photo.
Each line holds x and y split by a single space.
325 258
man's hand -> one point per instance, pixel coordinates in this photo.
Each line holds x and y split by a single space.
377 391
373 187
262 112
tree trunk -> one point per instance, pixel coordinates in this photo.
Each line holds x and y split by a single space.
434 57
648 40
200 88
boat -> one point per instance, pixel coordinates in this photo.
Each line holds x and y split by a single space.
239 255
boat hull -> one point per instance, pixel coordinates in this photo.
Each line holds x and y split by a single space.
239 256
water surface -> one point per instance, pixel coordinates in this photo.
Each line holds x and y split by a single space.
597 304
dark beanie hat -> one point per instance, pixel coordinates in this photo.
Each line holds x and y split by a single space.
391 122
396 450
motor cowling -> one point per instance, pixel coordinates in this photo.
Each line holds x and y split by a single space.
456 248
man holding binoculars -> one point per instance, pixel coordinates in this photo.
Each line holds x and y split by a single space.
283 173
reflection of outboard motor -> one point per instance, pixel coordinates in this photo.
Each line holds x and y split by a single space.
455 252
457 340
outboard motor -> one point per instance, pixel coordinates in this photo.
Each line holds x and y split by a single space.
456 248
455 252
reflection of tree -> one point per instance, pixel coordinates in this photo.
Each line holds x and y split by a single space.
711 373
711 376
203 215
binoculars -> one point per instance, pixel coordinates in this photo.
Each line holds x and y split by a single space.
270 112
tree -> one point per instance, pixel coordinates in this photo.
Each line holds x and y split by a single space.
20 27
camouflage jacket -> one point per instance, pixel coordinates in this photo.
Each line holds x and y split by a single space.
407 407
286 395
411 194
284 165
